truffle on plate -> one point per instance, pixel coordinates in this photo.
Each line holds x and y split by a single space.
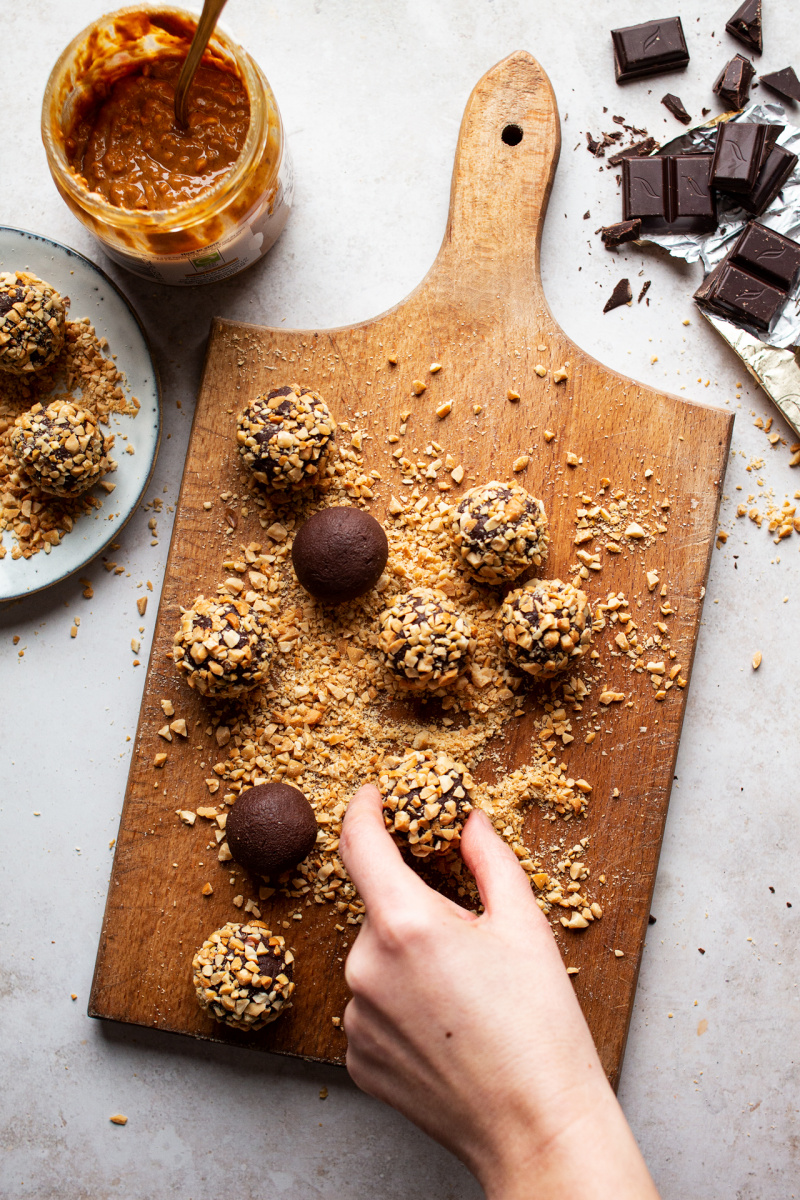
32 323
243 975
60 448
426 800
425 640
271 828
339 554
285 437
545 626
221 647
499 531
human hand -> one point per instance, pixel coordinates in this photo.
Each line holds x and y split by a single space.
469 1024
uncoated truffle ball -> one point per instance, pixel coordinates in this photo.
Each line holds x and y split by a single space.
271 828
546 626
60 448
499 531
32 322
285 437
426 799
339 554
242 975
221 647
425 640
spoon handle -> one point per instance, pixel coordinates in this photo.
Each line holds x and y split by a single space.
205 27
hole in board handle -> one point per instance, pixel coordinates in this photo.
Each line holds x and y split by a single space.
512 135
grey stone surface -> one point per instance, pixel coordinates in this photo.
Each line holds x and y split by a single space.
372 97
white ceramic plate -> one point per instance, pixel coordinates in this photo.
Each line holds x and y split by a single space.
92 294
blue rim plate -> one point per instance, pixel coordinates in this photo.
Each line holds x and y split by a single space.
92 294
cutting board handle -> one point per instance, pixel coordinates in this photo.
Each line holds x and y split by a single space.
505 162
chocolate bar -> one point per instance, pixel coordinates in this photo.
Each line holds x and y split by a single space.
771 178
767 254
745 25
733 84
741 150
649 49
736 294
670 193
751 284
784 82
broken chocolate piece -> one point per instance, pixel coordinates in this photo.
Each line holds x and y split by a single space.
733 84
621 295
742 147
649 49
675 106
784 82
644 291
670 193
741 297
624 231
638 150
771 178
767 254
745 25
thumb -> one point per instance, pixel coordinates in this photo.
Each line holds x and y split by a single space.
502 883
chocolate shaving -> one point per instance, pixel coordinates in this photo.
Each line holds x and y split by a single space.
621 295
644 291
624 231
638 150
674 104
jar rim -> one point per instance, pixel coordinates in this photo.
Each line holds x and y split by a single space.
188 211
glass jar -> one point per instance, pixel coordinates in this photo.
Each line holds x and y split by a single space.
217 233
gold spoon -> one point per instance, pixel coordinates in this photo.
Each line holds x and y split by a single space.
205 27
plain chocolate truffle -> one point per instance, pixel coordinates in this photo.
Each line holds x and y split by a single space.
339 554
271 828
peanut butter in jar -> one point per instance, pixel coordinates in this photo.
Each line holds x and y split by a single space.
182 206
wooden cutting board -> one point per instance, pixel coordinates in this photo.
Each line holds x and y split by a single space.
481 312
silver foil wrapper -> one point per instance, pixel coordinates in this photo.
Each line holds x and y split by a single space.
782 215
776 370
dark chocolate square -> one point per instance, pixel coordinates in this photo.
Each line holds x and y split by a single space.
734 293
694 206
733 84
771 178
738 156
767 254
745 25
649 49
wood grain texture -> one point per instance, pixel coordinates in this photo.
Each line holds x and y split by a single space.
482 313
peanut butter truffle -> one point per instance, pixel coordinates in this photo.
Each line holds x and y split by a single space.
271 828
425 640
242 975
339 554
32 323
60 448
426 800
546 626
285 437
221 647
499 531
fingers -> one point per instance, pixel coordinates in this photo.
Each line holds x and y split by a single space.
372 859
501 881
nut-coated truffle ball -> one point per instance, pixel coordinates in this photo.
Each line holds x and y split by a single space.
242 975
546 626
271 828
425 639
32 323
221 647
499 531
339 554
60 448
426 799
285 437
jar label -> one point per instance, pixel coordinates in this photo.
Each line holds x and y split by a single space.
240 248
